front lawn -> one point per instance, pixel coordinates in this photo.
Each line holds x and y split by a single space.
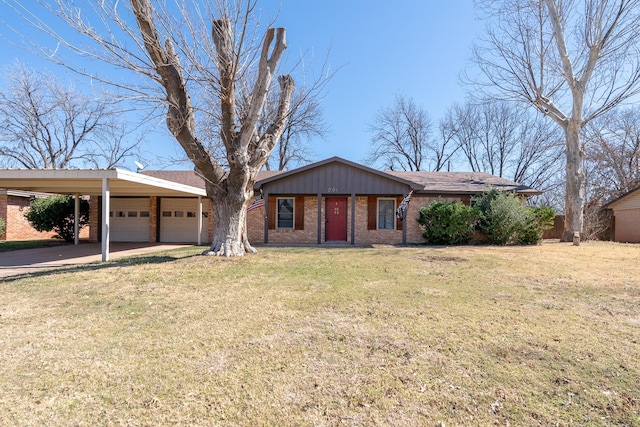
474 335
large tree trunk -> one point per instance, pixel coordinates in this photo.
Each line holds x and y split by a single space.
575 179
230 189
229 204
229 228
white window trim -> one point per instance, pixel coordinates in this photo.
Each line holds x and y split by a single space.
378 214
293 206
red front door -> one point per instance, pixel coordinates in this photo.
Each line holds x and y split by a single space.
336 218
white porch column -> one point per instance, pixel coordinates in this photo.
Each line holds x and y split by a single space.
199 220
76 218
105 218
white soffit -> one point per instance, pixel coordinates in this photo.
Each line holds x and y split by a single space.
89 182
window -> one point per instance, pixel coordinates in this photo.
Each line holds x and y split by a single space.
144 214
120 214
178 214
191 214
284 213
166 214
132 214
386 214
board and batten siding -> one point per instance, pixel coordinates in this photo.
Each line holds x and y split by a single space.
336 178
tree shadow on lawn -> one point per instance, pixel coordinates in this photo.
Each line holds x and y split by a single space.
97 266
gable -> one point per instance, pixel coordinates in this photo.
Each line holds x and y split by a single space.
631 200
335 176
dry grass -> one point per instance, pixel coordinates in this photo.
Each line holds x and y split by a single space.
545 335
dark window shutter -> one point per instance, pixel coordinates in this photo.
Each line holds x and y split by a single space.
372 213
272 213
466 201
299 202
398 222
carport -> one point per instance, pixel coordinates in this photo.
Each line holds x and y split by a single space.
106 183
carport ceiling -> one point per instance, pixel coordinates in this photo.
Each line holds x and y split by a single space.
89 183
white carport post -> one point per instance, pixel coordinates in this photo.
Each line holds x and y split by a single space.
76 219
199 220
105 219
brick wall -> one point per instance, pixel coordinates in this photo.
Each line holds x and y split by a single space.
255 224
3 212
18 228
153 219
94 218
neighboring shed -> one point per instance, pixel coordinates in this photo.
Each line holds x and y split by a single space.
626 217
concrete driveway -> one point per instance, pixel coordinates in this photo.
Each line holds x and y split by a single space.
41 259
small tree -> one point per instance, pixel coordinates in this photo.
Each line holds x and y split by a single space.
538 219
3 226
448 223
56 213
506 219
503 214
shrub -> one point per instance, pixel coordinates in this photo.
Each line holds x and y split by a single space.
503 216
3 226
56 213
538 219
448 223
506 219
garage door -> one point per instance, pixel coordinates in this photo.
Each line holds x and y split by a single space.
179 220
129 218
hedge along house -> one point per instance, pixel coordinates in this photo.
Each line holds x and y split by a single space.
336 200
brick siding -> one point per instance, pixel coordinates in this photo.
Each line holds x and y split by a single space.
13 210
255 224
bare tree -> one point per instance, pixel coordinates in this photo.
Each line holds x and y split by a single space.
572 60
613 153
176 60
305 121
505 140
403 138
44 124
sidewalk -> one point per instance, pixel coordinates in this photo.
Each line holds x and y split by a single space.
42 259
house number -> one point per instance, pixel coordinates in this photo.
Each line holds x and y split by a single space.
332 190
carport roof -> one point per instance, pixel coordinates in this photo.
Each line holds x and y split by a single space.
89 182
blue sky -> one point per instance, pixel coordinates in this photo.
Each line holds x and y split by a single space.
415 48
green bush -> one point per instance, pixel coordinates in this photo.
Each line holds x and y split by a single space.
506 219
448 223
3 226
503 216
538 219
55 213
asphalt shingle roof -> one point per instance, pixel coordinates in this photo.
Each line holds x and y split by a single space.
460 182
429 182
